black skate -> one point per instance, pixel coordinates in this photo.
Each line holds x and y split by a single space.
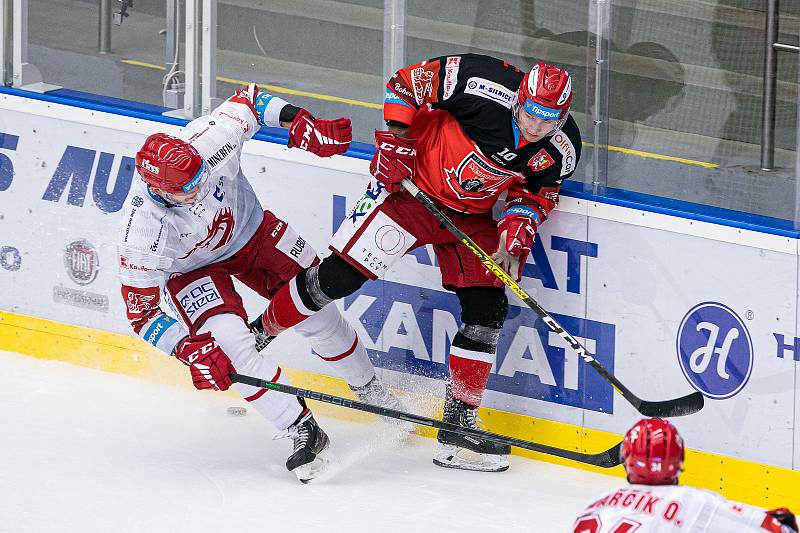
310 447
467 452
376 393
262 338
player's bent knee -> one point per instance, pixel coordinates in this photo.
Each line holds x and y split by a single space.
324 323
336 278
483 306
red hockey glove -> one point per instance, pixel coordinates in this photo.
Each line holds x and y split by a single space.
517 229
321 137
206 360
393 160
780 521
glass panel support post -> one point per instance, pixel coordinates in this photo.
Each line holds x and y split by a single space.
797 157
768 92
200 59
394 38
173 85
208 92
597 91
104 27
17 72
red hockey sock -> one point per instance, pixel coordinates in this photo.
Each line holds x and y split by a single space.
285 310
469 372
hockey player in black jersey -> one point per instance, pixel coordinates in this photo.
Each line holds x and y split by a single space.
464 128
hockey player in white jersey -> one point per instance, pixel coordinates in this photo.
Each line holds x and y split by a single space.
192 223
654 502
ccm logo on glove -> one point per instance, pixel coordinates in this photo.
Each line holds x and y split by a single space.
208 363
394 159
399 150
321 137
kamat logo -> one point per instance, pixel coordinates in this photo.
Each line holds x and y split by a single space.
408 329
715 350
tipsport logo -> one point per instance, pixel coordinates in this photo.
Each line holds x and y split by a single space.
715 350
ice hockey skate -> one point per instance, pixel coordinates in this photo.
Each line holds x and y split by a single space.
262 337
376 393
466 452
310 456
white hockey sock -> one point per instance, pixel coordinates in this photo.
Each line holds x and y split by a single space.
279 408
236 340
335 341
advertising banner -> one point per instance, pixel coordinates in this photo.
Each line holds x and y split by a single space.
667 304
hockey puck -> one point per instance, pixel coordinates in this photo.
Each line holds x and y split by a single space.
237 411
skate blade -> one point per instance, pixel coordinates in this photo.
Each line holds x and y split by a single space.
449 456
307 472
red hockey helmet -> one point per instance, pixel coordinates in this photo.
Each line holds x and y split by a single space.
546 92
652 452
173 166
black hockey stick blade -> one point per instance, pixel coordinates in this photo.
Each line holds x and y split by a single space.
607 459
686 405
675 407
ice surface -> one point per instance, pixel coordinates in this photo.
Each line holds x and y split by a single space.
93 452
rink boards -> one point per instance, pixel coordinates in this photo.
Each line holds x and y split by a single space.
668 304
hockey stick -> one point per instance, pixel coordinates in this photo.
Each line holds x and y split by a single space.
685 405
607 459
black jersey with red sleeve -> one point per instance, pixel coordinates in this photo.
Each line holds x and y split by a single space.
468 161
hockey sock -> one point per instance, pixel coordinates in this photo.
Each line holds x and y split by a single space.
287 307
280 409
470 364
232 334
334 340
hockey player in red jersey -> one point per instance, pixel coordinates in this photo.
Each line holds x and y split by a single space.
652 455
192 223
464 128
